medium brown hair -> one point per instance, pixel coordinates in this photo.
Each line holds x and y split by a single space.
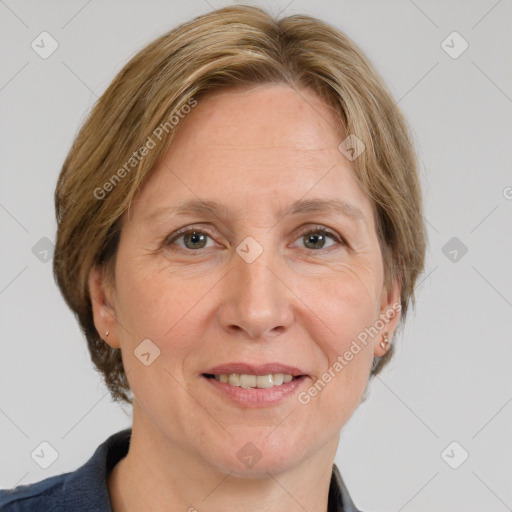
238 46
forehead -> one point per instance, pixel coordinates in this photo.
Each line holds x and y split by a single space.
269 114
248 148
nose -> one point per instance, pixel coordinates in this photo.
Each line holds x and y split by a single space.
257 303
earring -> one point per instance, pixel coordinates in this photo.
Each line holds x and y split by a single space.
385 341
107 333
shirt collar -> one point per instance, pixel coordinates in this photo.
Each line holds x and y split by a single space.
86 488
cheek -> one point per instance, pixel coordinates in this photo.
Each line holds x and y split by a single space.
150 298
151 308
344 312
345 298
168 308
341 309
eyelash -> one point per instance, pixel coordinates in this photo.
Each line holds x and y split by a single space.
307 231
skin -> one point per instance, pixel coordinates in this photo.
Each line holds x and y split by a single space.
254 151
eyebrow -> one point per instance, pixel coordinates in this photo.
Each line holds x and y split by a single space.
205 207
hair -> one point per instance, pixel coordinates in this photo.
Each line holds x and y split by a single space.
238 47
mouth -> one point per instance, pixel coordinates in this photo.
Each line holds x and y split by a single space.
248 381
252 386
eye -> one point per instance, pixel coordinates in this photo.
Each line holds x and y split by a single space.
316 238
192 239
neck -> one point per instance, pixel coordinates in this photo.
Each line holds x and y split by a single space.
159 473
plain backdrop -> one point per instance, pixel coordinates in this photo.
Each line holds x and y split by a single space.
451 378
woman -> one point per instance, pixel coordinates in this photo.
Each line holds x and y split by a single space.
239 234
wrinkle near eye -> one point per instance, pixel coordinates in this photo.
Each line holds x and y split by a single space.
362 271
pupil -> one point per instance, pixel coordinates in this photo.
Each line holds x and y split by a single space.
315 239
196 238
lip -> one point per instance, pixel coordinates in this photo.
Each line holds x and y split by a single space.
256 397
251 369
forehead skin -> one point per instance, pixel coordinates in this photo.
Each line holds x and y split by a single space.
264 130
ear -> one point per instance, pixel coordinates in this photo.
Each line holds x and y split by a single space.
103 312
389 315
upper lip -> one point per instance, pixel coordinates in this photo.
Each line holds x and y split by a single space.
251 369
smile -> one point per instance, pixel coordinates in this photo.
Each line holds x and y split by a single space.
244 389
245 380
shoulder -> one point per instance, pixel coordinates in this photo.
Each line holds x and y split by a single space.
82 490
43 495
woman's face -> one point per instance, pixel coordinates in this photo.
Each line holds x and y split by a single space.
250 287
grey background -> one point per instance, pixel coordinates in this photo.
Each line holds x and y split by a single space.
451 379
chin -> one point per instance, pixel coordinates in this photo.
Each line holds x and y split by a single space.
257 468
255 456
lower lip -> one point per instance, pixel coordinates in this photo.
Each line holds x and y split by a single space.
257 397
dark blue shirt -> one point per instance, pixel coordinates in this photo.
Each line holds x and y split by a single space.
86 490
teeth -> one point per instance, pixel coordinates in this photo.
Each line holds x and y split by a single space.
265 381
278 379
247 381
234 379
254 381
